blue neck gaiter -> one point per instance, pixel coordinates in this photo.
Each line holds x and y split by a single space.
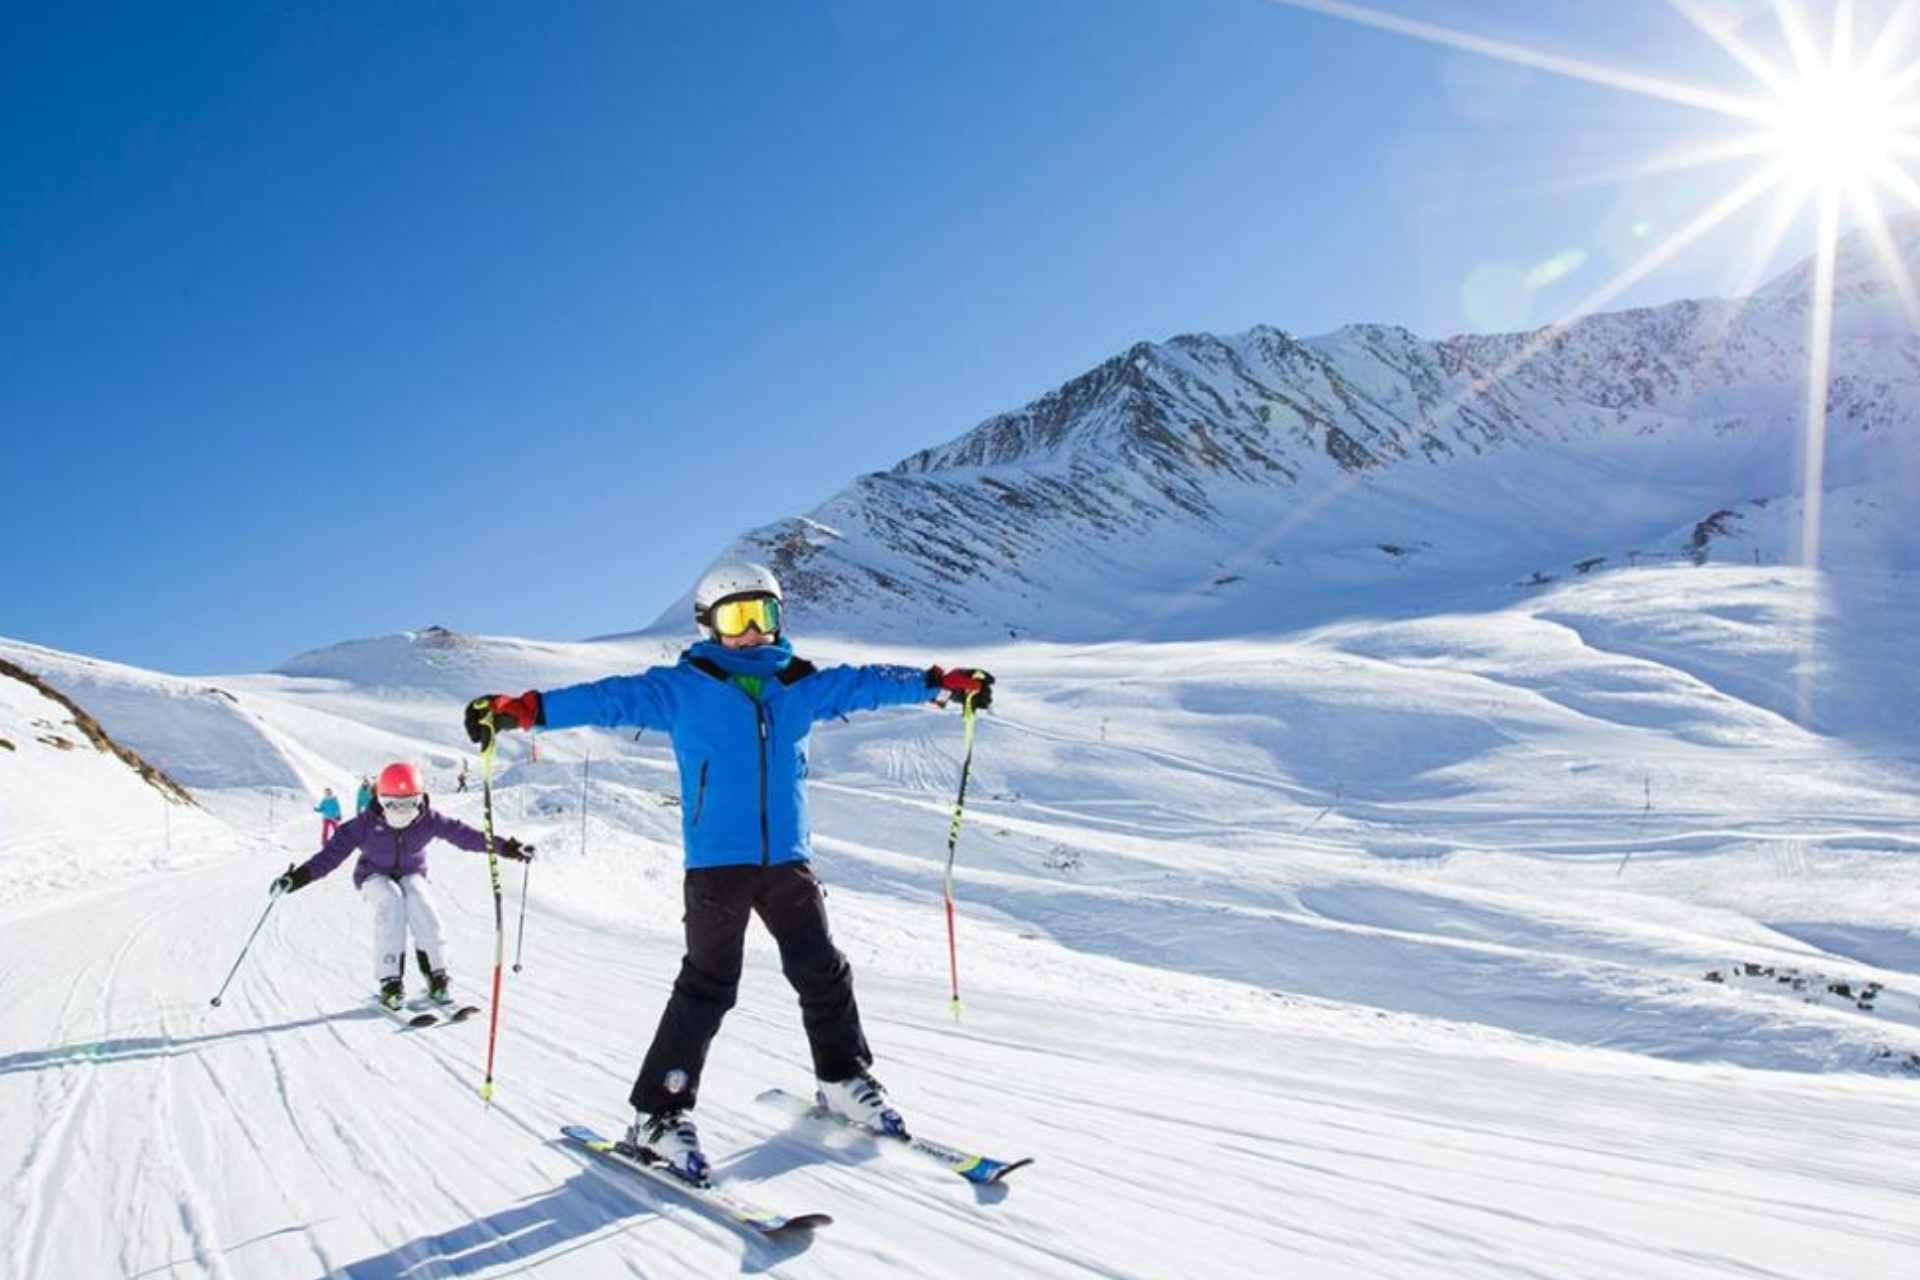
763 662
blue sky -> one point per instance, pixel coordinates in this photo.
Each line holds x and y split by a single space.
327 320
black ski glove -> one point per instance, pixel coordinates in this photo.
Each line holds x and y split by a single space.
291 879
513 851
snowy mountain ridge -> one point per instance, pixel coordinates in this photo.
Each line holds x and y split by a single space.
1207 477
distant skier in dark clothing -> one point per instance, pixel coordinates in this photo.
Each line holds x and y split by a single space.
392 838
740 708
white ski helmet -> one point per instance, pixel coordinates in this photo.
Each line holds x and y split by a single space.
729 582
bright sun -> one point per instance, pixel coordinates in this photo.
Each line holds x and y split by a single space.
1830 120
1836 127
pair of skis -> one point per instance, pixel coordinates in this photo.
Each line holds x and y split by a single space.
419 1017
748 1216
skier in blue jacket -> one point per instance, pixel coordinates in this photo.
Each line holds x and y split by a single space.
740 708
329 811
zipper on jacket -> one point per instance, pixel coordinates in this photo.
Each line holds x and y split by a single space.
700 795
766 840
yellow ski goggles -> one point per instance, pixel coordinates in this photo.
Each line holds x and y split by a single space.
733 617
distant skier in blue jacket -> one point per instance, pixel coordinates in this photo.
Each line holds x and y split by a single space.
329 811
740 708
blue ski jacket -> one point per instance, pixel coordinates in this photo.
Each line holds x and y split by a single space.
743 760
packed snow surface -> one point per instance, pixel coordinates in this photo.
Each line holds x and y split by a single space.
1378 949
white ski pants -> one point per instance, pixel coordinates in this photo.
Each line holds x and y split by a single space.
399 905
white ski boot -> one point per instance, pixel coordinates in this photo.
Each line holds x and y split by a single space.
671 1139
861 1100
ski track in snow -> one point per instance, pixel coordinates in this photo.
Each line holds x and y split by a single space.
1305 1134
62 1102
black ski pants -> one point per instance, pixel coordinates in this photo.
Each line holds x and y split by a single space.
720 901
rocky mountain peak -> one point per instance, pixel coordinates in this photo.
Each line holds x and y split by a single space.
1256 477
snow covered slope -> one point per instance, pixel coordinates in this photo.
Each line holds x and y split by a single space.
1224 485
1377 950
197 731
76 808
258 748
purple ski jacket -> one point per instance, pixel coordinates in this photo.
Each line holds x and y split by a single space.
386 852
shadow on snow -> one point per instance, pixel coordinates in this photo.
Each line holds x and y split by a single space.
574 1215
133 1049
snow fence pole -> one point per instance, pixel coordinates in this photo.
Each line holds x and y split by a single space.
272 899
499 912
520 942
953 840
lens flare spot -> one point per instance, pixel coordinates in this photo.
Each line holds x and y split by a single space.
1556 268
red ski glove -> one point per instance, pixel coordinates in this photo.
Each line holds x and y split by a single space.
971 684
493 712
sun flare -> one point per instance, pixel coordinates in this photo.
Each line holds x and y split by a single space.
1839 127
1829 127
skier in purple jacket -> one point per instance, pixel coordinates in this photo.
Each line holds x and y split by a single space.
392 837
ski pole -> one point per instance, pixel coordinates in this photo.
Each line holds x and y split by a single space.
499 915
1324 812
1639 827
953 840
272 899
520 942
